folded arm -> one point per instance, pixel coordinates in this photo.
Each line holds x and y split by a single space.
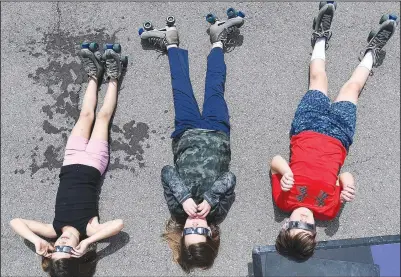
221 195
106 230
175 191
279 165
30 229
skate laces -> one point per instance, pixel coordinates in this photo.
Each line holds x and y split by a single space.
89 66
224 36
326 22
377 43
323 30
112 68
161 42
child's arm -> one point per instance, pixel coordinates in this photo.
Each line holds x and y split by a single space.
30 229
280 166
347 182
106 230
220 197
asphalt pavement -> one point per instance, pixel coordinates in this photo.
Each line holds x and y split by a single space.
42 86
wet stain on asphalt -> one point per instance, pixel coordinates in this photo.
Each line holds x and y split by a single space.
65 81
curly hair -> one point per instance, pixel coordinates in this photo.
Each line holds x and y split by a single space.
197 255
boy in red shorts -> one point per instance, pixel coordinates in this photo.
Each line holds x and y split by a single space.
321 133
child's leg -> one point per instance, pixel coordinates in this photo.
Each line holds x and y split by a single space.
215 110
311 111
343 111
84 124
317 69
101 128
353 87
78 140
98 146
187 115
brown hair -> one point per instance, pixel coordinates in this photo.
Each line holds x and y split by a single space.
300 246
68 267
201 255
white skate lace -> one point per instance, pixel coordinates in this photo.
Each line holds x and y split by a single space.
112 68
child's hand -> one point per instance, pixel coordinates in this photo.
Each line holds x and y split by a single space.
43 248
190 207
287 181
80 249
348 192
204 209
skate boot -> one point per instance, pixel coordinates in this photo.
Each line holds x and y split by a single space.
222 30
114 62
160 37
379 37
322 22
91 59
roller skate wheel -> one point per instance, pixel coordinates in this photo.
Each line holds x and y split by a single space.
148 26
140 31
231 12
93 46
384 18
117 47
211 18
241 14
372 34
393 17
170 20
85 45
124 61
108 46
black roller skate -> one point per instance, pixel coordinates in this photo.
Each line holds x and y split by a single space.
160 37
114 62
91 59
223 30
322 22
378 38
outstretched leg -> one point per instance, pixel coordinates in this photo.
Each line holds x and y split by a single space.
352 88
311 112
187 115
317 68
83 126
215 110
101 128
78 140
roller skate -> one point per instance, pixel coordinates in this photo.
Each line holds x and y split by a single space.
91 59
379 37
322 22
114 62
160 37
223 30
